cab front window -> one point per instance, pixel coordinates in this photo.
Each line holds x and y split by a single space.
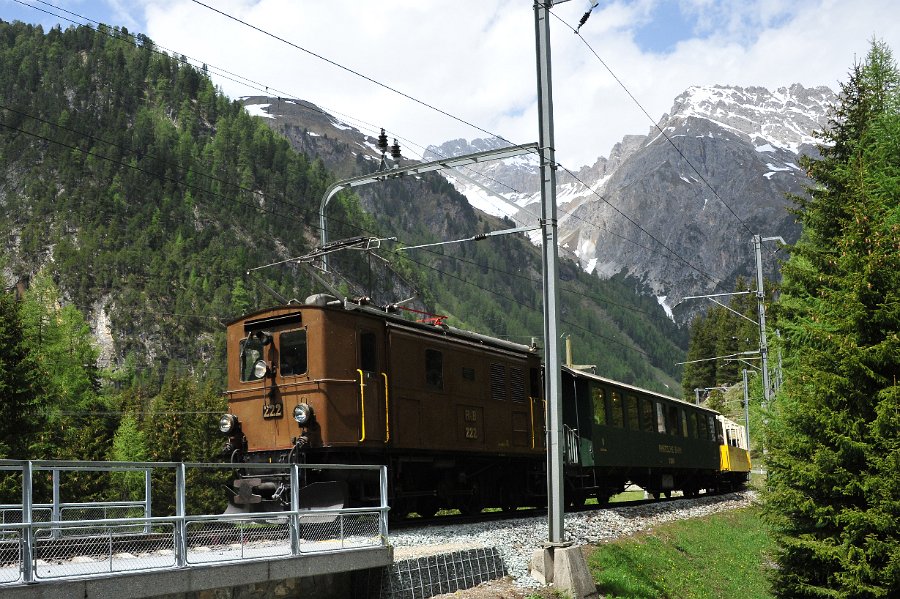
293 353
251 353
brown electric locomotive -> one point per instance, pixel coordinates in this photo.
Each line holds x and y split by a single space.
456 416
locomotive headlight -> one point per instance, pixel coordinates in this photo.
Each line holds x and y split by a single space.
260 369
302 413
227 423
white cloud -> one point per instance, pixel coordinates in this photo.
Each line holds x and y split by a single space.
475 58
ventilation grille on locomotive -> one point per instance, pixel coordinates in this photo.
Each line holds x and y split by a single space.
517 384
498 381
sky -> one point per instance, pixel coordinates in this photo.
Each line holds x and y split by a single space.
466 68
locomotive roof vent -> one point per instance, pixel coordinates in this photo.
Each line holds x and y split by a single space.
320 299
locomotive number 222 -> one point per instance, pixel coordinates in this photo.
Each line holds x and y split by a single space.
272 410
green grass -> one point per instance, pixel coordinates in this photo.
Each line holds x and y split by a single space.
724 555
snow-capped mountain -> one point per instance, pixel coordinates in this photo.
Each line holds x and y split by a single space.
676 207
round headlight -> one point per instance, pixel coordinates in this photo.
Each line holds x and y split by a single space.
227 423
302 413
260 369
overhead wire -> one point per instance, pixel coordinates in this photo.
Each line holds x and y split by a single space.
254 192
261 87
662 132
448 114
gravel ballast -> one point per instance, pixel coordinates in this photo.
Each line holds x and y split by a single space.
516 540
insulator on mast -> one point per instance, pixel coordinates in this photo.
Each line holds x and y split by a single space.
395 150
383 141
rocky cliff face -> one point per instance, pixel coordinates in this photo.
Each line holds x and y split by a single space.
677 207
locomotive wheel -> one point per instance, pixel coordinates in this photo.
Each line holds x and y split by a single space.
427 507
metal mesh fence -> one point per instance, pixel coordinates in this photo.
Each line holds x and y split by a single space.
96 549
237 540
112 529
10 555
425 577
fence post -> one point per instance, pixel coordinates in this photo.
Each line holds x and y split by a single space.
295 507
148 484
383 521
180 526
27 533
56 510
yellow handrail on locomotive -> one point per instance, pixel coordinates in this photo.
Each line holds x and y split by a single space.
362 403
531 409
387 414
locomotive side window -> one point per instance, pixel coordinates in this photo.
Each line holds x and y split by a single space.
536 383
615 405
648 422
684 425
598 397
694 432
631 409
517 384
251 353
368 356
434 369
293 353
498 381
660 419
711 424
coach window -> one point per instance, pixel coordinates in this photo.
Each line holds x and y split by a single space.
598 397
660 418
648 424
701 428
672 420
368 357
615 404
293 353
434 369
631 409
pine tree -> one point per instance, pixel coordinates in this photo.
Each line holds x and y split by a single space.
18 385
834 454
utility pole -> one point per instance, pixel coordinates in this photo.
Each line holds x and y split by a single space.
746 410
761 307
550 256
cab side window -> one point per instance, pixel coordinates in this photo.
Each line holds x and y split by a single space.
368 356
434 369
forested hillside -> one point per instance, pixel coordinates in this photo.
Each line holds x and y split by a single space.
135 197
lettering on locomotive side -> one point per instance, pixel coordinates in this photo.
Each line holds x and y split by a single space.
471 415
675 449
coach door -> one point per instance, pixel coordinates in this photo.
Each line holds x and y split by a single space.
373 406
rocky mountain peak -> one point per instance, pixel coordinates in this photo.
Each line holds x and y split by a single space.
744 143
784 118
